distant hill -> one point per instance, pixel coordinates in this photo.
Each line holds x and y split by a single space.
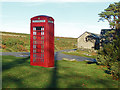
20 42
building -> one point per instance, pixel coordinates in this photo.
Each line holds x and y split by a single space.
88 40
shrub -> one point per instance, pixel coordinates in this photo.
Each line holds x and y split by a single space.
109 56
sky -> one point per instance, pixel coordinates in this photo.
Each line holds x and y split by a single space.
72 17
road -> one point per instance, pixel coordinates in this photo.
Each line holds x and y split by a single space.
58 55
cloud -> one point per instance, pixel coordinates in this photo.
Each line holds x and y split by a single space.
60 0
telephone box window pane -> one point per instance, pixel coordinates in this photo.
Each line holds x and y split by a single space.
38 28
34 33
34 28
42 46
34 60
42 33
41 55
34 42
34 37
42 42
38 42
42 37
34 55
42 51
34 46
43 29
34 51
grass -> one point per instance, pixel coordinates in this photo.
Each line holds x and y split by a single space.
82 53
62 43
18 73
21 42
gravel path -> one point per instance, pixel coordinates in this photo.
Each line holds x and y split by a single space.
58 55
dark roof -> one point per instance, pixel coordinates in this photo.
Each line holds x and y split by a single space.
42 16
93 34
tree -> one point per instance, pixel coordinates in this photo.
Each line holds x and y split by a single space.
109 54
112 15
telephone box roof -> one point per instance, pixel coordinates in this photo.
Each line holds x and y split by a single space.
45 16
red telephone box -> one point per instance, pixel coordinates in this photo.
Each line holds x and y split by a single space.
42 41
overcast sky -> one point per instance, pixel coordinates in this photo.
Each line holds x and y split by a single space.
72 17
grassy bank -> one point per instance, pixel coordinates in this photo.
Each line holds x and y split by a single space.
15 42
18 73
18 42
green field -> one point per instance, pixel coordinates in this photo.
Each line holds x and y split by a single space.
18 73
18 42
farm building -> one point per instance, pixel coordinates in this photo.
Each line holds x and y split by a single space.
88 40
